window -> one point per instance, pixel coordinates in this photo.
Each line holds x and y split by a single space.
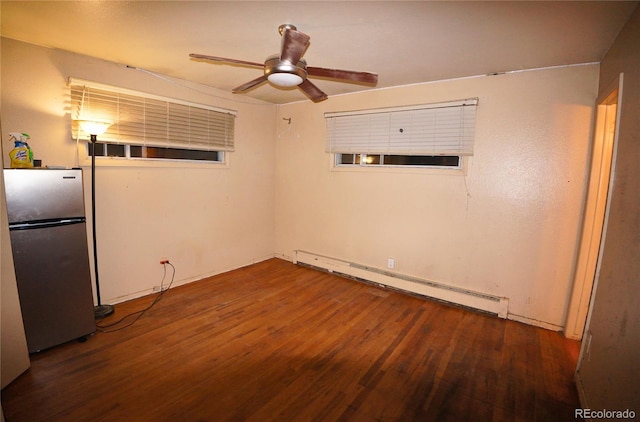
429 135
145 126
450 161
148 152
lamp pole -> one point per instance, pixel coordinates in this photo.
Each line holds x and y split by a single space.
100 310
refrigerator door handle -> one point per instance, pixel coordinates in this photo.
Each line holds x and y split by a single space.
44 224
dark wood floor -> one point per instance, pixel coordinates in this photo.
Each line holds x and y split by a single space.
275 341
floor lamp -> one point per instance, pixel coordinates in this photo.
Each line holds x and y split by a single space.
95 128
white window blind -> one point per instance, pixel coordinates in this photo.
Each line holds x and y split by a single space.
143 119
429 129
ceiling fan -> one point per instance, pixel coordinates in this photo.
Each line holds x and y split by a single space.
288 68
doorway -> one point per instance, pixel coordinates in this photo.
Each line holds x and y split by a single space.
595 213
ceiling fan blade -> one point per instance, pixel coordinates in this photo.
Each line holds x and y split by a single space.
312 91
247 86
225 60
346 75
294 44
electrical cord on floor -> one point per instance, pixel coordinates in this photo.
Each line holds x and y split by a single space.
108 328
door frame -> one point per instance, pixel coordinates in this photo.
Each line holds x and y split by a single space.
596 211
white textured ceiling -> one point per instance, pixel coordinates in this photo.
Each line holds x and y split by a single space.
404 42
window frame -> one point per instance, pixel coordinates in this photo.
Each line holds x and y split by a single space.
127 155
85 161
461 170
361 162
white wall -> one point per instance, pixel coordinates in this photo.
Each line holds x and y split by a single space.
508 227
205 218
610 362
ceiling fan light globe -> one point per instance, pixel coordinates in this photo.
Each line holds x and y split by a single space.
285 79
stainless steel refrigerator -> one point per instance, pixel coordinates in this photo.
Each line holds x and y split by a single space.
48 234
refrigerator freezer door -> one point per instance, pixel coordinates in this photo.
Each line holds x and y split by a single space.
42 194
54 284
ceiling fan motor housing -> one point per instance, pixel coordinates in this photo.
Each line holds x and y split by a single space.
273 67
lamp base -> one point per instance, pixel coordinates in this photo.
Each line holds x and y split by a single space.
102 311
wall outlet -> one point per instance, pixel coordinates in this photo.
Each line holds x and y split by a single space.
391 263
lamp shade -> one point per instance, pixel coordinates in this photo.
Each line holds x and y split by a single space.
94 127
284 79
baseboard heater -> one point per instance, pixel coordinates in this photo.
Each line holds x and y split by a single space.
481 301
